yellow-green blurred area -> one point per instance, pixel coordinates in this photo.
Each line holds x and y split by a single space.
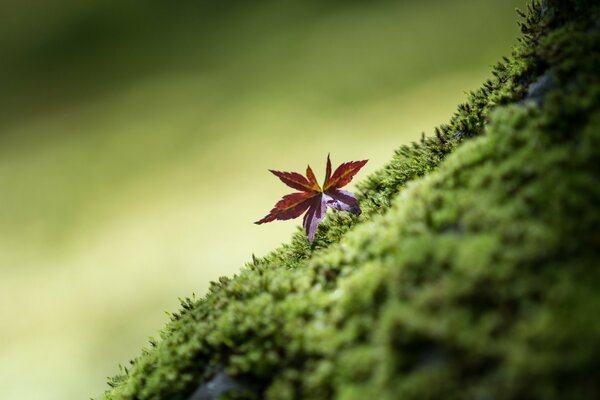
135 138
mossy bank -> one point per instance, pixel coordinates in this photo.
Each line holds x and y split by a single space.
473 272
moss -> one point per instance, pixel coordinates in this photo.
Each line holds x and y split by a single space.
472 273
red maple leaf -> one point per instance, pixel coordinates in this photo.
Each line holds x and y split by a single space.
312 198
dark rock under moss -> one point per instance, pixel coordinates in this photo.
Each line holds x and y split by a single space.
218 384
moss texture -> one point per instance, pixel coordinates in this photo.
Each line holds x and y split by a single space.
473 272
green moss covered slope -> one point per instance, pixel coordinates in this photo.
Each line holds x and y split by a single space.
473 272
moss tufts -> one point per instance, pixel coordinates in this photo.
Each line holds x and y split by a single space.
472 272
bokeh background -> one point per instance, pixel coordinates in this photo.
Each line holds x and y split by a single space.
135 138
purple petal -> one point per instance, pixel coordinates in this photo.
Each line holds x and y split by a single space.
342 200
314 216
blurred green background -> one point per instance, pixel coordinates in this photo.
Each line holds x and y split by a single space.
135 138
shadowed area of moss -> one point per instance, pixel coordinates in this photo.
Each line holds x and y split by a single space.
472 273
